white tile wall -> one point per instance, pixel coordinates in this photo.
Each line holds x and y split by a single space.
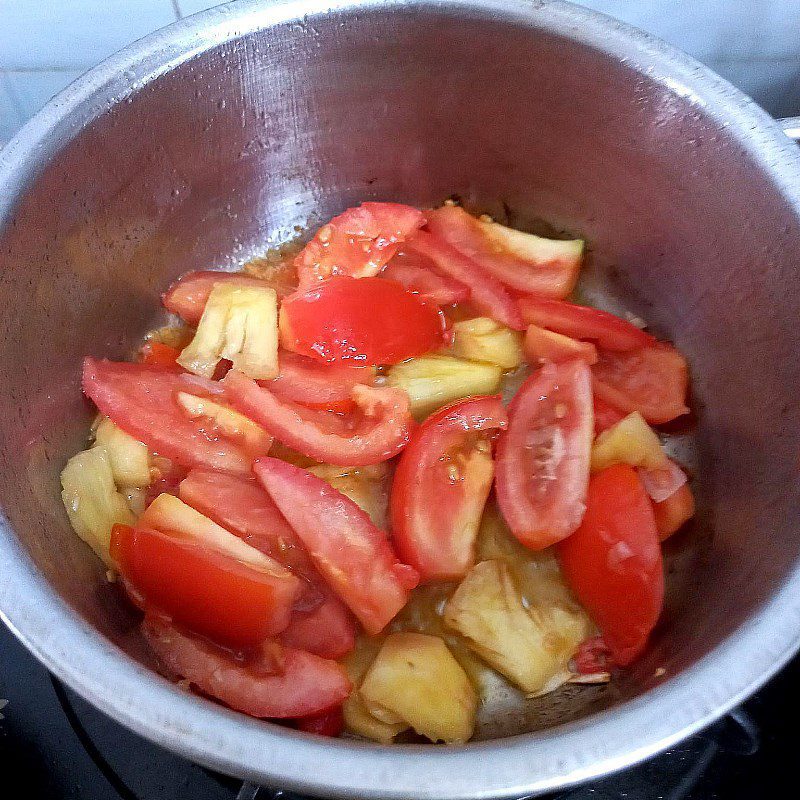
45 44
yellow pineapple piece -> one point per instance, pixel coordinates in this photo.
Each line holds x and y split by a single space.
631 441
129 458
483 339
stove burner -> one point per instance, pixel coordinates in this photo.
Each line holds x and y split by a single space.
58 746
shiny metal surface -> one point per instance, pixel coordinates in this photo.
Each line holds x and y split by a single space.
791 127
212 139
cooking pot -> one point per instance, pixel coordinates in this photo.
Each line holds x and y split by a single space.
222 135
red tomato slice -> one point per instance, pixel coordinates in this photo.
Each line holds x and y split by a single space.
441 485
141 400
554 278
542 345
277 682
613 561
652 380
366 321
582 322
187 297
210 592
327 723
487 294
357 243
605 416
351 553
662 483
674 512
417 274
319 623
375 432
156 354
323 386
593 656
543 459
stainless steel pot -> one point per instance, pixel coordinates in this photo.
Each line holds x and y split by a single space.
205 142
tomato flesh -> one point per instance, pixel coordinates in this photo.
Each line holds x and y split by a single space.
543 345
419 275
376 431
605 415
365 321
543 458
357 243
674 512
652 380
328 629
583 322
140 399
326 723
156 354
613 561
271 682
352 554
441 485
211 593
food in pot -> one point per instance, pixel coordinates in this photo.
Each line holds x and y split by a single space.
342 502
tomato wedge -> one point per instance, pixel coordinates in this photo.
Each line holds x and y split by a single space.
273 682
327 723
582 322
418 275
357 243
605 415
156 354
674 512
366 321
652 380
613 561
542 345
141 400
328 630
543 458
487 294
324 386
376 431
662 483
232 602
547 273
351 553
187 297
441 485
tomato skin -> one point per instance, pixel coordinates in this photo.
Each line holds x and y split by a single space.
272 682
462 231
550 417
375 432
674 512
140 399
487 294
543 345
605 415
212 594
613 561
357 243
651 380
435 517
418 275
156 354
327 630
337 321
326 723
352 554
187 296
582 322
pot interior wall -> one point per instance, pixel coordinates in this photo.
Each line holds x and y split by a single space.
226 154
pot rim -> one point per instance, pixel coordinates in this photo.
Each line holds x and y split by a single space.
233 743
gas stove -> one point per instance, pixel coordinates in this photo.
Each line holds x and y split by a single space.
57 746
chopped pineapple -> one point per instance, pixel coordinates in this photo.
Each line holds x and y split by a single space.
228 422
435 380
530 643
92 501
483 339
365 486
415 679
129 458
631 441
239 323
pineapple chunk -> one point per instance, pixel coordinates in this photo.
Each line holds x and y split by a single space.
529 643
532 248
435 380
631 441
129 458
92 501
483 339
228 422
416 680
365 486
239 323
169 514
